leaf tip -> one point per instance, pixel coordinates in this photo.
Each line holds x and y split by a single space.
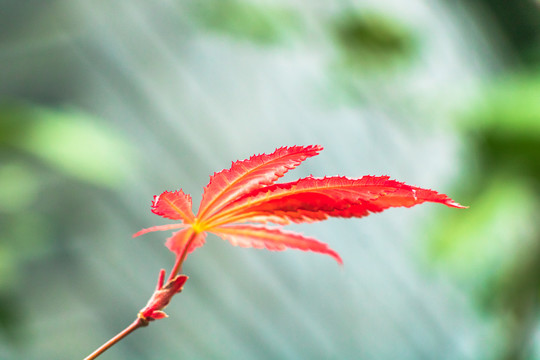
336 257
138 233
455 204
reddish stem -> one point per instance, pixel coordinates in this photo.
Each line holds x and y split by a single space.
159 300
134 326
180 259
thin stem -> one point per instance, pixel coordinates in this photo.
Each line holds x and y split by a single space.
134 326
141 320
180 259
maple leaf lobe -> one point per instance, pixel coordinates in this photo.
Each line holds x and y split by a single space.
250 174
314 199
179 240
174 205
275 239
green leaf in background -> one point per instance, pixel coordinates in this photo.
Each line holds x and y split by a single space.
371 40
258 23
509 105
505 126
20 186
68 141
478 247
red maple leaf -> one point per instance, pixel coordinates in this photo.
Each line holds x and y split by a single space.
238 203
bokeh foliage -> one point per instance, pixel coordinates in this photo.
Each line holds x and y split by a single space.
245 21
55 157
48 156
494 250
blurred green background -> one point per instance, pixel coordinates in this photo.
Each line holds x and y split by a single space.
104 104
